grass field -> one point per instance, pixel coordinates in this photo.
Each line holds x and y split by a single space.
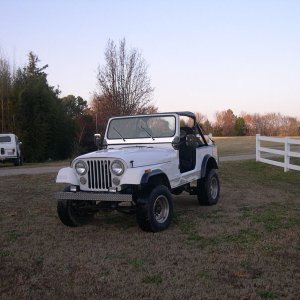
235 145
245 145
246 247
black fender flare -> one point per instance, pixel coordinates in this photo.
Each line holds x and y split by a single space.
208 161
146 178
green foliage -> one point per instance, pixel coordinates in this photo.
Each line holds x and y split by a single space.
275 216
244 238
6 253
266 294
74 106
137 262
240 126
5 95
39 116
81 116
152 279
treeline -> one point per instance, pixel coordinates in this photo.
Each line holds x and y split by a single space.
271 124
54 127
49 127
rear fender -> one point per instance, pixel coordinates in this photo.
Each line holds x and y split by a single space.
67 175
208 162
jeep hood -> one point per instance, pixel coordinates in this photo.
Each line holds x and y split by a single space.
140 155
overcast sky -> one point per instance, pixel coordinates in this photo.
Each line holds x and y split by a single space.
203 56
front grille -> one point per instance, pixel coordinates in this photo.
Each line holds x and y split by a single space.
99 174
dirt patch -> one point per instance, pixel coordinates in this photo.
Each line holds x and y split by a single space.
246 247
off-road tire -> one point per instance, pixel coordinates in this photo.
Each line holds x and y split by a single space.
208 188
19 160
71 212
155 209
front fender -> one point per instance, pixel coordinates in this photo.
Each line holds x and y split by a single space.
157 176
67 175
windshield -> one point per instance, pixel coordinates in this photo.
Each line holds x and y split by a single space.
142 127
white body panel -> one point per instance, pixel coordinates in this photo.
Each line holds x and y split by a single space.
67 175
139 156
143 160
9 146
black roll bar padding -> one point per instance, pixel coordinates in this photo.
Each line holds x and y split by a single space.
201 134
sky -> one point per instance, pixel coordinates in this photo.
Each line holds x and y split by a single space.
202 56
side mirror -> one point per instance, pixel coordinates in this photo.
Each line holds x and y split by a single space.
176 142
97 140
191 141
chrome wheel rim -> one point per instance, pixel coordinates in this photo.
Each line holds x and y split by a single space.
214 188
161 209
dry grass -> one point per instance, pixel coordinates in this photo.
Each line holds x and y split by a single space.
235 145
245 145
246 247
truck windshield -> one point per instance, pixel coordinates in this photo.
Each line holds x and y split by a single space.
141 127
5 139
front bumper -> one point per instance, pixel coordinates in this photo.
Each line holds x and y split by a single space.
109 197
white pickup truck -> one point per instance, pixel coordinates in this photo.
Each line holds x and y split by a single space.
10 148
143 160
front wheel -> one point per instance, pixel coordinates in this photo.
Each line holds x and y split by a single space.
73 212
208 188
155 210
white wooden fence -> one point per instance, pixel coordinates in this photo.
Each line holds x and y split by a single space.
286 153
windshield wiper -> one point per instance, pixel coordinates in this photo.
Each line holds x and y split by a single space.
120 135
148 133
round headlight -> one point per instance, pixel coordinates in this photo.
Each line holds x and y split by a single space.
81 167
117 167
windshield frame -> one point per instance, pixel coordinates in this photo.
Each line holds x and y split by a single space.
148 136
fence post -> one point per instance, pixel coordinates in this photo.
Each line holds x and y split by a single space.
287 149
257 147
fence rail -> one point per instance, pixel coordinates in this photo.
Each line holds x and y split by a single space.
286 153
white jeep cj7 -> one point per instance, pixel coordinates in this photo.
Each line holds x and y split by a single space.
143 160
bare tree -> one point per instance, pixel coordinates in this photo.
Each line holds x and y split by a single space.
102 111
225 121
273 124
204 122
200 118
289 126
124 81
250 123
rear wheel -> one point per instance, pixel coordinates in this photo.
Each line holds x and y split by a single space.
155 210
19 160
73 212
208 188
